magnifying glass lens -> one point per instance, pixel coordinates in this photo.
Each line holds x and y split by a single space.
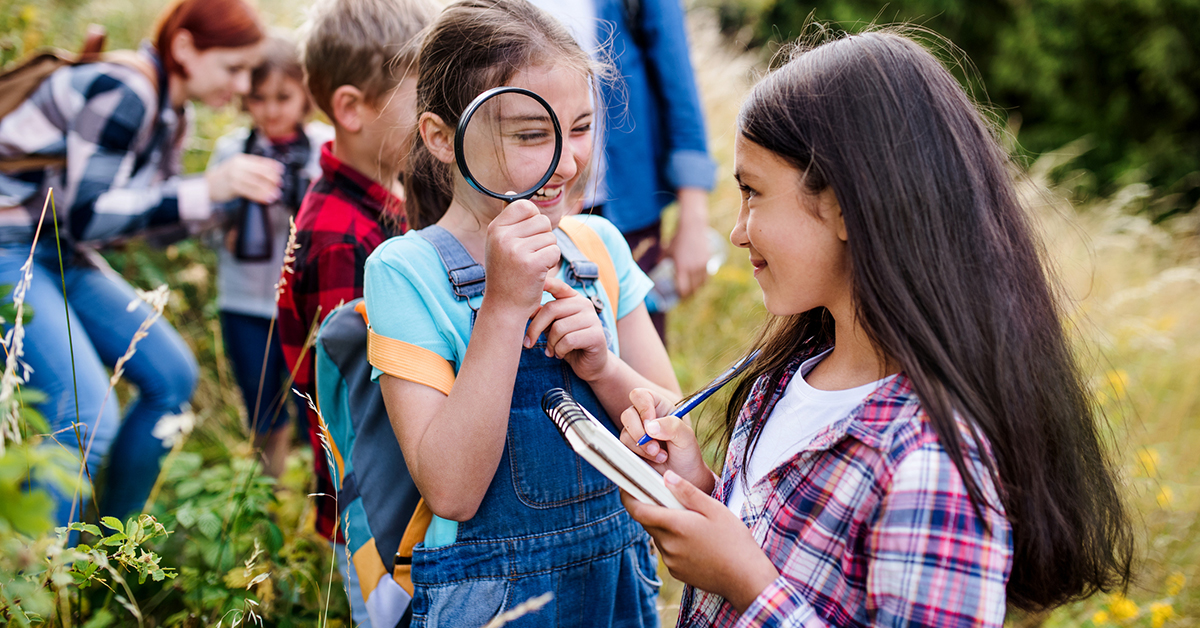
509 144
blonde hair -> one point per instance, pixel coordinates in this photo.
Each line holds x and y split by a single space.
369 44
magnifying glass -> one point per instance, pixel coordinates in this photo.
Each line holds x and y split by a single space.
508 139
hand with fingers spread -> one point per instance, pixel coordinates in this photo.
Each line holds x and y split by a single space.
573 330
674 447
706 545
520 251
245 176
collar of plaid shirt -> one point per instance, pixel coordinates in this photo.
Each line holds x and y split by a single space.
366 192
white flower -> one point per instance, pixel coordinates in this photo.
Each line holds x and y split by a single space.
172 426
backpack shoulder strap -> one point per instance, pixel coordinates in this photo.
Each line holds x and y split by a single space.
407 361
131 59
590 244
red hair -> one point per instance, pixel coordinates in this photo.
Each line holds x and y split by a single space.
212 23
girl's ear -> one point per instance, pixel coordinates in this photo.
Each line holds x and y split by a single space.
347 104
832 210
438 136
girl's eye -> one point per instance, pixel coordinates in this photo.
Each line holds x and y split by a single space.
531 137
583 128
747 191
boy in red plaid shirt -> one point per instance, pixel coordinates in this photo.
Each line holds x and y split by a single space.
368 91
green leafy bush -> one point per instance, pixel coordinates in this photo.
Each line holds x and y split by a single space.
1121 73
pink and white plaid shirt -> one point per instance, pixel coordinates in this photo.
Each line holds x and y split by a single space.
869 525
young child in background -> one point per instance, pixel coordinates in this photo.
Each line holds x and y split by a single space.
254 238
915 444
358 60
518 514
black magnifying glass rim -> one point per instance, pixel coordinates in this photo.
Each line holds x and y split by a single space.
461 130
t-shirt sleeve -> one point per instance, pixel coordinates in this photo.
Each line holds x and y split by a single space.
635 285
399 304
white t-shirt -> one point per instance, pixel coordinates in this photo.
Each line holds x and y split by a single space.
798 416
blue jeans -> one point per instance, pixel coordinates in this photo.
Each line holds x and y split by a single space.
101 327
246 343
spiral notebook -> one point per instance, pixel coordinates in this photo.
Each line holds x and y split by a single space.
594 443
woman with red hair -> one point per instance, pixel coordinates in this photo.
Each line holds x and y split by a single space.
116 131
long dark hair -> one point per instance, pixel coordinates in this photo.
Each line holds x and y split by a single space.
473 46
949 283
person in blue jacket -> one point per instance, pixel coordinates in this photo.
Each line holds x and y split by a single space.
655 147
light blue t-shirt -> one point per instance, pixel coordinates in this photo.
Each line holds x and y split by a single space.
409 297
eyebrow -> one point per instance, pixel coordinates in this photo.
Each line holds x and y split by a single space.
526 118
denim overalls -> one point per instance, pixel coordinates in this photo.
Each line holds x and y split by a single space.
549 522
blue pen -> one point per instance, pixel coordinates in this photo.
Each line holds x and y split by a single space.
689 403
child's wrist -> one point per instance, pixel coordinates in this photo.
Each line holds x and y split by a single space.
609 369
761 573
503 313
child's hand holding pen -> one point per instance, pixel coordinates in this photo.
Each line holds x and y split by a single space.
664 437
670 441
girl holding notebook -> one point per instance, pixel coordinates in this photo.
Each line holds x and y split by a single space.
914 444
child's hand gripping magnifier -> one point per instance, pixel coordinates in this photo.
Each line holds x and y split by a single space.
508 139
689 403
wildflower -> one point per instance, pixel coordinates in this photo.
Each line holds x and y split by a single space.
1175 583
1118 381
1165 496
1100 618
1160 612
289 258
1148 460
1122 608
171 427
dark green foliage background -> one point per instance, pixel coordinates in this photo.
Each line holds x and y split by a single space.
1123 73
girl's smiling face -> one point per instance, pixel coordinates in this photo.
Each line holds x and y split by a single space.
277 105
515 143
215 75
796 239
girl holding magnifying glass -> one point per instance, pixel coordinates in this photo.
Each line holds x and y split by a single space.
462 370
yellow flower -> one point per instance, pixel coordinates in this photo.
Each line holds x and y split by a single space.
1100 618
1165 496
1122 608
1148 460
1175 583
1160 613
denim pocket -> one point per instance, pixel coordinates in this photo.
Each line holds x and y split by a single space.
645 564
467 603
546 472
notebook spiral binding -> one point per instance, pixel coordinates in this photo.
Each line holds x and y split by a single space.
562 409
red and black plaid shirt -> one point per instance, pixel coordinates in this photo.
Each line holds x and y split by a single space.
344 216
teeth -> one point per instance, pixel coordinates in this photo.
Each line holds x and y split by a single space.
544 195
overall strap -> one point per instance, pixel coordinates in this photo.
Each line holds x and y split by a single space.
465 274
580 269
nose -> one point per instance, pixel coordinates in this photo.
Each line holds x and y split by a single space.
575 154
738 236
